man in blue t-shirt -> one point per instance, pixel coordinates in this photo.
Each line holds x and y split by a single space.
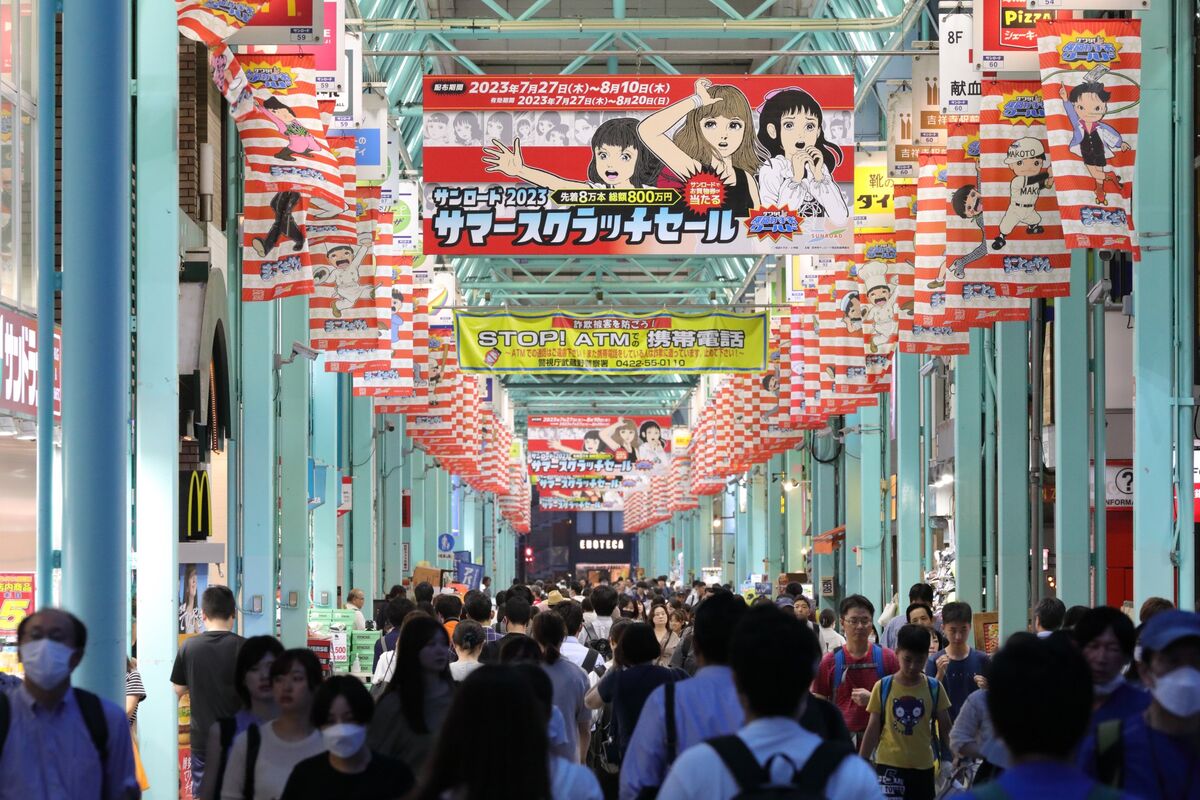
960 667
1154 754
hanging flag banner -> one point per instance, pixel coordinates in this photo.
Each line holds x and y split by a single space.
926 103
1028 257
211 22
957 76
612 343
282 22
872 194
902 153
1091 81
879 274
587 463
905 200
931 331
612 165
1005 35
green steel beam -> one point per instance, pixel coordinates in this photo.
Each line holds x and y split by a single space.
968 473
1071 474
1012 475
910 473
292 423
871 546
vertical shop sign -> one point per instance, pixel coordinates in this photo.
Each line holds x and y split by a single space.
284 22
1006 36
19 364
958 78
930 122
902 154
16 601
872 194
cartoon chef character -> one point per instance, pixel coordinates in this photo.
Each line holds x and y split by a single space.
879 311
1027 159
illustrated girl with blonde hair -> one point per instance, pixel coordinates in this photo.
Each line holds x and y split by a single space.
714 133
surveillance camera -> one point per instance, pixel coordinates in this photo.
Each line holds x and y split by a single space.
1107 255
391 427
1099 292
302 350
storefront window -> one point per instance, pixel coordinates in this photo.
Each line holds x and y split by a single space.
27 33
8 42
28 273
8 261
18 160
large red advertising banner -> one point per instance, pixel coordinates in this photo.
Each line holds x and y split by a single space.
587 463
607 165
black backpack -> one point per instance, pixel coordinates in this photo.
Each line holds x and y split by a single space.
92 711
754 782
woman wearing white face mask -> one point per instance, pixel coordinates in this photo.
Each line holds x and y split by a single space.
1155 755
342 709
1106 638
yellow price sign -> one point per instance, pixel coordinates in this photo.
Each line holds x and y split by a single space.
873 212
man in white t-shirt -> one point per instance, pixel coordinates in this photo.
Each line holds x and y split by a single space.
355 602
773 657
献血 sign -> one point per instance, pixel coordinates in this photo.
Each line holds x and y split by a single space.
637 344
638 165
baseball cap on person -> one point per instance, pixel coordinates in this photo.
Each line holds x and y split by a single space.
1163 630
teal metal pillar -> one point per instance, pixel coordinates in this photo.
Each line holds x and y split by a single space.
325 576
360 554
852 471
741 532
391 501
47 34
295 565
468 524
968 473
990 514
824 517
927 430
1012 475
1154 205
256 468
870 463
417 476
96 150
664 554
910 471
1071 531
1099 454
443 501
1185 281
704 534
776 533
796 541
156 442
760 521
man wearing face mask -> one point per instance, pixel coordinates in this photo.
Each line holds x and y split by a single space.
1106 638
1155 755
57 741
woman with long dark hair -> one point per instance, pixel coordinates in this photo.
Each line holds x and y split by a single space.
411 711
471 762
570 684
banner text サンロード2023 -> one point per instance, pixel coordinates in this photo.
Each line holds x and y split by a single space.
563 342
638 165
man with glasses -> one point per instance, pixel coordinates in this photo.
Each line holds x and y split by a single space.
847 675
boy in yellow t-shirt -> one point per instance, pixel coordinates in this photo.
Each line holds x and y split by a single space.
903 725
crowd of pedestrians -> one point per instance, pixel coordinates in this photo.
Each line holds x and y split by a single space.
637 690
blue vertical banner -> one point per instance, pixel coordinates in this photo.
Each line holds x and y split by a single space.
468 574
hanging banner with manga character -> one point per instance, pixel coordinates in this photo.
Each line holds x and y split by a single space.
564 342
276 261
879 274
842 364
1027 256
279 123
588 463
904 198
931 331
629 165
211 22
1091 81
975 296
